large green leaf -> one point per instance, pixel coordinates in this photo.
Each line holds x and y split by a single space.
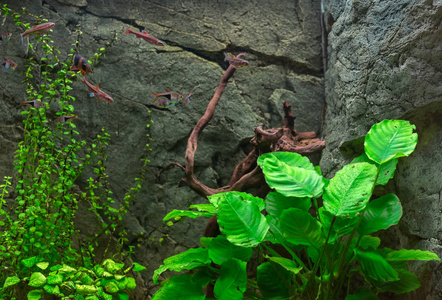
300 228
407 254
292 159
275 203
220 250
37 279
180 287
289 179
407 281
232 283
381 213
35 294
375 266
362 294
274 281
188 260
350 189
241 221
386 171
390 139
11 281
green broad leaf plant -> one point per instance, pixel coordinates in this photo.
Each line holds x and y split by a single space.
42 255
312 237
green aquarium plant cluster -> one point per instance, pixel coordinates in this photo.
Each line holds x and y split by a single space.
42 253
312 237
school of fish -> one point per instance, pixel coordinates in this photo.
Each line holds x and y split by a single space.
80 63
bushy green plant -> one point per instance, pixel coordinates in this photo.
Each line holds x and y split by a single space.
37 251
330 250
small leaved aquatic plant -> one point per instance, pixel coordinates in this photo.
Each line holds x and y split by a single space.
328 252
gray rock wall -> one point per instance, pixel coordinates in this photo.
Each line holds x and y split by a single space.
282 41
385 62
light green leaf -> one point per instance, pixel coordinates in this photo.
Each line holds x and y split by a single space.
300 228
11 281
123 296
111 287
408 254
55 279
241 221
275 203
180 287
112 266
286 263
289 180
292 159
273 281
390 139
35 294
386 171
37 279
30 262
188 260
375 266
350 189
232 283
84 289
52 289
381 213
43 265
186 213
131 283
207 207
220 250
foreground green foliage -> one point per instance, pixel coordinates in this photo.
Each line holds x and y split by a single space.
41 251
329 251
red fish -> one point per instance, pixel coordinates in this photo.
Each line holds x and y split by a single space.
81 63
38 29
64 119
171 96
7 65
145 36
5 37
236 61
96 92
33 103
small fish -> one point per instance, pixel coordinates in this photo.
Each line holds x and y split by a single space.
96 92
236 61
7 65
187 100
145 36
38 29
33 103
171 96
64 119
5 37
81 63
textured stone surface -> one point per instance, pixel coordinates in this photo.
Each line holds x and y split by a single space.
385 62
282 41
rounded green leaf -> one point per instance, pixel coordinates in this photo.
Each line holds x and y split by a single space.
291 181
220 250
300 228
11 281
292 159
375 266
138 267
180 287
390 139
37 279
241 221
111 287
386 171
232 282
131 283
35 294
273 281
381 213
350 189
275 203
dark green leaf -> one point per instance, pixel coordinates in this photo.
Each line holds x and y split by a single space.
274 281
362 294
232 282
381 213
180 287
408 254
275 203
375 266
220 250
